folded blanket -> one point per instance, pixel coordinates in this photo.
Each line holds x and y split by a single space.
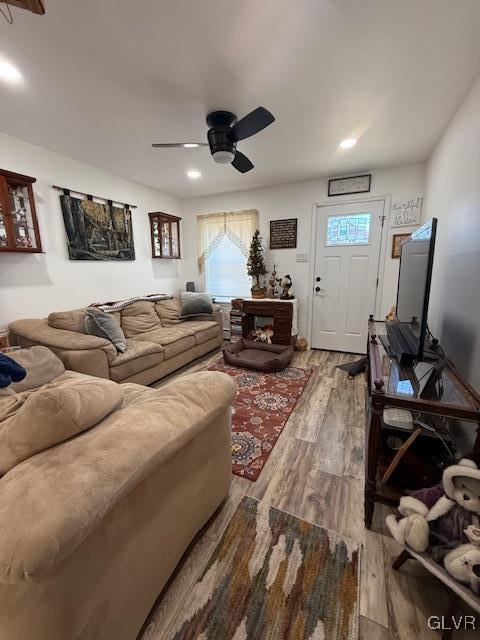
118 305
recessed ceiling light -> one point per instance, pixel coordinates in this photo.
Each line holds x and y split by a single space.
9 72
191 145
348 143
193 174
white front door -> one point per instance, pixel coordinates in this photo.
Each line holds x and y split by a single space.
347 254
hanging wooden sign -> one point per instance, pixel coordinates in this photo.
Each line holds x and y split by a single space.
283 234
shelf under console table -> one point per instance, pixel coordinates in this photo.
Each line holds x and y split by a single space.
391 385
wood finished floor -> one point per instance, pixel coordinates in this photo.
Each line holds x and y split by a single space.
315 472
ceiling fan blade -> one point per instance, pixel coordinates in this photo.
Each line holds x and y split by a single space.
241 162
252 123
173 145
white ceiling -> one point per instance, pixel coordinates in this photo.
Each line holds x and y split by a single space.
102 80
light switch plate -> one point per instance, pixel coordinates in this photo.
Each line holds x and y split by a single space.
302 257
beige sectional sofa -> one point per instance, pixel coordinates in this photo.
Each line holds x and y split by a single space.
158 342
95 517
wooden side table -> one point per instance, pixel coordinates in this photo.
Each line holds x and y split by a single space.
391 385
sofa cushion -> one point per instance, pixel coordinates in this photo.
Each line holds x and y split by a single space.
169 311
203 330
104 325
42 366
50 416
138 356
139 317
174 340
73 320
196 304
67 491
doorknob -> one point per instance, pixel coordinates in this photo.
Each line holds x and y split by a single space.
317 289
318 279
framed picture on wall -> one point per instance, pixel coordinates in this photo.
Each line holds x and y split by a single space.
397 240
349 185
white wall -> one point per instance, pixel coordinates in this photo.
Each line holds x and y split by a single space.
453 196
295 201
35 284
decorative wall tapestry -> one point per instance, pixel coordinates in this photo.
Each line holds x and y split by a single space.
97 231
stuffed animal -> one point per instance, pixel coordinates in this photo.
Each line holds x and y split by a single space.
463 563
445 520
272 284
264 334
412 530
302 344
287 291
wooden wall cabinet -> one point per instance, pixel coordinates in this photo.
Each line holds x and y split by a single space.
18 219
165 235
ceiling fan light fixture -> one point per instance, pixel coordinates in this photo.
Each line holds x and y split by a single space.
223 156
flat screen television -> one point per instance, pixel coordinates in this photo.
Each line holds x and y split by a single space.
414 280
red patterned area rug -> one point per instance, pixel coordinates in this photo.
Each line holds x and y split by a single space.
261 408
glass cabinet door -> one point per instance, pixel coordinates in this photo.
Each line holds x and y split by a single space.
175 244
18 220
3 227
166 240
24 236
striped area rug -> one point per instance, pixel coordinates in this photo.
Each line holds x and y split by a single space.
273 576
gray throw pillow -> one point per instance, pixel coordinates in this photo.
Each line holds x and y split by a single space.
196 304
101 324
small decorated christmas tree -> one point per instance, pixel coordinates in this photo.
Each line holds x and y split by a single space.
256 266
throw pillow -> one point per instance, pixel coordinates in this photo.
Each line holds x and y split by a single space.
41 364
52 415
101 324
196 304
169 311
139 317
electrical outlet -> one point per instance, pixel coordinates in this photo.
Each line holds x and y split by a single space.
302 257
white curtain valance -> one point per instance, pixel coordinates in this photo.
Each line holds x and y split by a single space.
238 226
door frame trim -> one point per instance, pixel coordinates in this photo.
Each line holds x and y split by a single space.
387 201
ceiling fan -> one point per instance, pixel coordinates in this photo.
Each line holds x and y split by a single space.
224 133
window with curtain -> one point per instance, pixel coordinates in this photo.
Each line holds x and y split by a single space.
223 245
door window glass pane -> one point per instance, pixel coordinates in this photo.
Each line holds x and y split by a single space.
348 230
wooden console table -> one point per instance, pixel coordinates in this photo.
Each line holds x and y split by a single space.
280 310
385 389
